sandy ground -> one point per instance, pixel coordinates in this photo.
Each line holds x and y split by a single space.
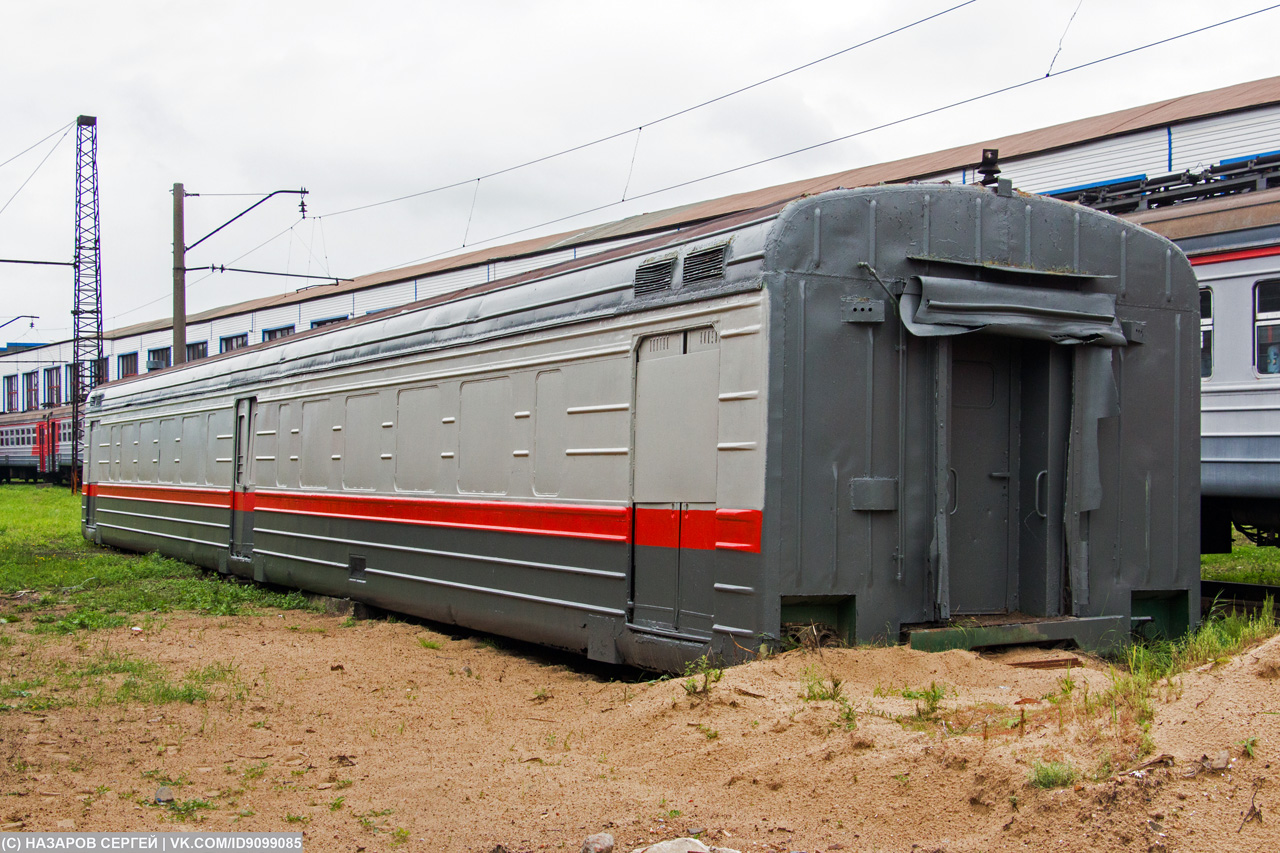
384 735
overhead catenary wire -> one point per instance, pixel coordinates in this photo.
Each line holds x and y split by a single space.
895 122
676 114
632 168
192 284
65 127
43 160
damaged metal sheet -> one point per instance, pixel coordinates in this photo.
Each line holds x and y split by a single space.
1094 397
933 307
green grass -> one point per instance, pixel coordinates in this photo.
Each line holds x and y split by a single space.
820 689
1247 563
1219 636
71 585
111 678
1052 774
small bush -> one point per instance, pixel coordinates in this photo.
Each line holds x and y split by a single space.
700 675
1052 774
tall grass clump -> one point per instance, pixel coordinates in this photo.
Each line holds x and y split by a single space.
1219 636
1052 774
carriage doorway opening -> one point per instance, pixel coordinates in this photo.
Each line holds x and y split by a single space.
1009 423
241 481
674 483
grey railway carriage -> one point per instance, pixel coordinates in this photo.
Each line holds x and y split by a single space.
881 409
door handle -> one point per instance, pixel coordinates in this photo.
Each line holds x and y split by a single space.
955 491
999 475
1040 477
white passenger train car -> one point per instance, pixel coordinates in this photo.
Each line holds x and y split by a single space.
1233 243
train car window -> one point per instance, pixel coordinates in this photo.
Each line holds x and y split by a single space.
287 432
1206 333
549 423
362 437
167 450
418 440
484 437
1266 321
318 437
190 451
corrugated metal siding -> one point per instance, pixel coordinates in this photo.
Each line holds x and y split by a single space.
386 296
227 326
1195 144
1209 141
445 282
1136 154
274 318
324 309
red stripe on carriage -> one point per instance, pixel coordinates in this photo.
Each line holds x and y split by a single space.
658 528
1241 255
610 524
162 494
739 530
700 529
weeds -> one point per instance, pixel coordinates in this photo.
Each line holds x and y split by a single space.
848 716
931 698
185 809
819 689
700 675
1052 774
368 819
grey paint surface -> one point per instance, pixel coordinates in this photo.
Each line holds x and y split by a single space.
1070 424
1117 507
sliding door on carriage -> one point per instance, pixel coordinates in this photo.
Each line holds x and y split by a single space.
674 494
241 482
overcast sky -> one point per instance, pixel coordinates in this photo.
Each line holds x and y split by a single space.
363 102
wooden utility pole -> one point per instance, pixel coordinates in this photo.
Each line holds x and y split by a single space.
179 277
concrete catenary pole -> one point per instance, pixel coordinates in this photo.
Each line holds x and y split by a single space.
179 277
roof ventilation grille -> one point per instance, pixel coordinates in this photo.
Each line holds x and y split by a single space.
654 277
705 264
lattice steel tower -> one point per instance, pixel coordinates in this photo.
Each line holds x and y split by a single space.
87 311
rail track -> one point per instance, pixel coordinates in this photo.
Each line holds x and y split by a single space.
1227 595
